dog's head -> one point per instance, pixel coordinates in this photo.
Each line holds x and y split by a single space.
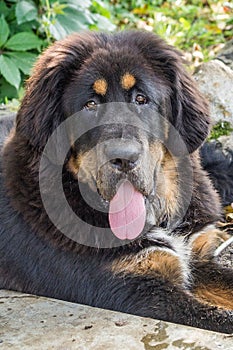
142 112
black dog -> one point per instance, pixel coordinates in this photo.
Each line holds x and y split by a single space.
115 123
219 164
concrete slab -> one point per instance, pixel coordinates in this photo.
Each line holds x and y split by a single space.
31 322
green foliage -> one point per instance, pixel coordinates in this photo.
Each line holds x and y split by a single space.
222 128
27 27
9 71
23 41
195 26
4 30
15 61
25 11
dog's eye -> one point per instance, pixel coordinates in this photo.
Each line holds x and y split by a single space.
91 105
140 99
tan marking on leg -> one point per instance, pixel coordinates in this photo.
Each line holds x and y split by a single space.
215 295
206 243
100 86
128 81
161 263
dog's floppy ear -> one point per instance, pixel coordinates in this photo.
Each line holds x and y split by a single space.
189 110
41 110
190 113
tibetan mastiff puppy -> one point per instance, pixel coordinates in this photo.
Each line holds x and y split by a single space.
103 198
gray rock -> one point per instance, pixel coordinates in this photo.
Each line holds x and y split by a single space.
227 141
6 123
215 81
225 258
226 54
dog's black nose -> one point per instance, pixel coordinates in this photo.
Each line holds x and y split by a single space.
123 155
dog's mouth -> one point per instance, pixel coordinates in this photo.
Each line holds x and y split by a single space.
121 187
127 210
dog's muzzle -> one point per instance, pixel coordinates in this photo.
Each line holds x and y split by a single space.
122 155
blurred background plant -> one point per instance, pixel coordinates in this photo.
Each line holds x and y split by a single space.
198 27
27 27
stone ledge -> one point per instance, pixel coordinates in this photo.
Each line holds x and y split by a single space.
32 322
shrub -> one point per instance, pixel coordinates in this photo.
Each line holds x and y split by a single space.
27 27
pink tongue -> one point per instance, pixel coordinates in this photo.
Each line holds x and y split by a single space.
127 212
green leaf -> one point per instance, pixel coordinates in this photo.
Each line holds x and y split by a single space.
9 71
25 11
6 90
24 27
103 23
4 31
23 41
23 60
100 8
4 10
78 3
57 30
71 21
80 18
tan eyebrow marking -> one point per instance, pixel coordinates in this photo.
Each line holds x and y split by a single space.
128 81
100 86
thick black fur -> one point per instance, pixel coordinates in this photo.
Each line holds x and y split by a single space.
219 164
35 257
